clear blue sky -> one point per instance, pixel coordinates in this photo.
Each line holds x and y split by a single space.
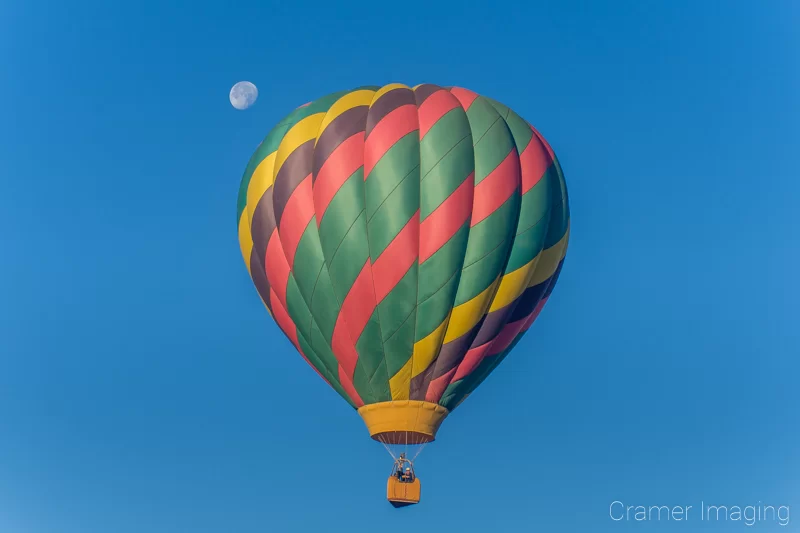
143 387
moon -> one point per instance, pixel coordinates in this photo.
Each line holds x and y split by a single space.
243 95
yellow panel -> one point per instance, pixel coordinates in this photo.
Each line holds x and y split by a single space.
348 101
302 132
425 350
424 353
260 181
400 383
245 241
465 316
549 261
513 285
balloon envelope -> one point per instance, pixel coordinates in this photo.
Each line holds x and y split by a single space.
404 240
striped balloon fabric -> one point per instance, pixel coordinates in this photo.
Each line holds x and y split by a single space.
404 240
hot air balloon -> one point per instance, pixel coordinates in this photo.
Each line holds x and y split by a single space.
404 240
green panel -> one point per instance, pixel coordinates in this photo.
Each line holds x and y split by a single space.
317 362
380 384
557 227
325 305
443 265
487 250
370 349
393 215
527 245
362 385
301 316
308 261
520 130
534 220
477 277
431 312
559 217
323 349
400 161
297 308
350 258
399 303
446 177
453 393
536 204
446 160
559 220
342 212
492 149
399 347
501 109
495 230
482 116
562 181
273 139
